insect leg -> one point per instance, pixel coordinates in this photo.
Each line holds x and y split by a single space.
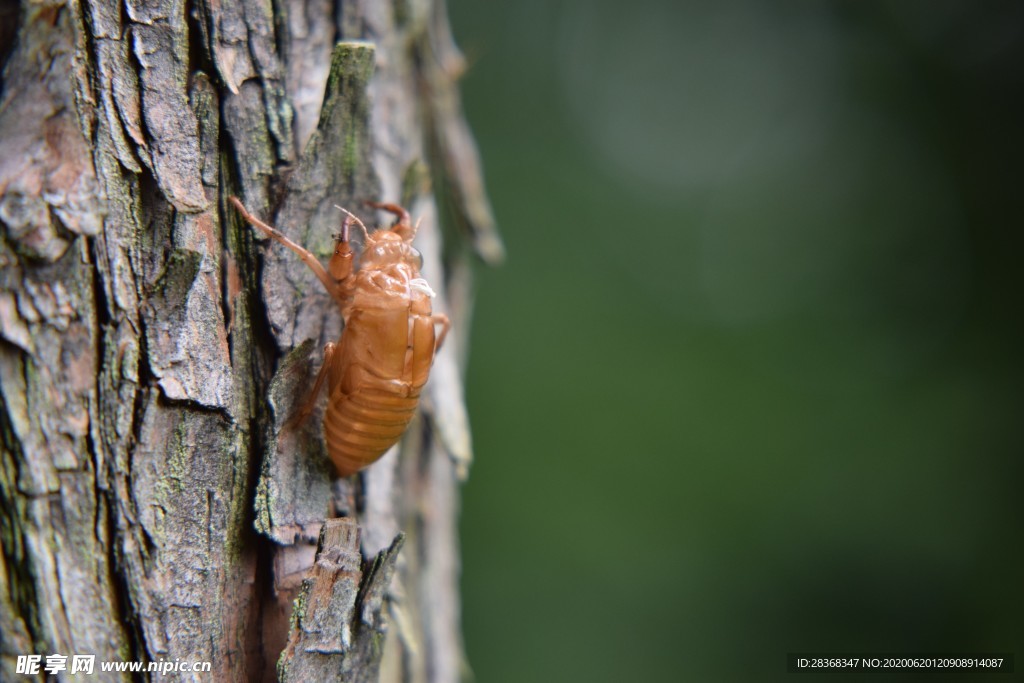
446 324
307 256
404 226
340 265
303 413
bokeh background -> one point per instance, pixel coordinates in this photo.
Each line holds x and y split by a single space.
750 381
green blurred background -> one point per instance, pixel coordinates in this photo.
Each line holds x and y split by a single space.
750 381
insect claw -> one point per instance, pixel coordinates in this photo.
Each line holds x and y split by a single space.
343 235
366 233
404 225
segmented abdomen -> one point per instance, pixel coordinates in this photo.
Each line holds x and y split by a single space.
360 427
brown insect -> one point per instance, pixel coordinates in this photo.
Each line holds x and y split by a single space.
378 367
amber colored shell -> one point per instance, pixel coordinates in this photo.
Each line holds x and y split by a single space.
378 368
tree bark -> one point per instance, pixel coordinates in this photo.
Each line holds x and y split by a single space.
151 346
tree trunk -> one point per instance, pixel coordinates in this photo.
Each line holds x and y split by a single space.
151 506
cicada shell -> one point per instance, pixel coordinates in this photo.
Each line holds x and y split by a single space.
377 369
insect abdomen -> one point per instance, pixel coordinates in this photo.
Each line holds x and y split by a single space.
360 427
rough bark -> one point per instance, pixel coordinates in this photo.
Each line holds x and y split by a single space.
151 347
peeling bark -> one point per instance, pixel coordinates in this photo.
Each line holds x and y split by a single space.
151 346
338 629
